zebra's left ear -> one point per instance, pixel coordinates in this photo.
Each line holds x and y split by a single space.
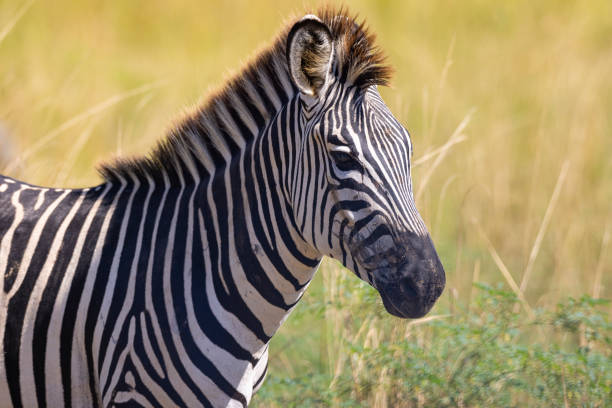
310 49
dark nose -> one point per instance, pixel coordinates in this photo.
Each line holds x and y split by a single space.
419 284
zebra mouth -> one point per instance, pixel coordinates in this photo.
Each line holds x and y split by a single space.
410 289
408 298
405 269
392 310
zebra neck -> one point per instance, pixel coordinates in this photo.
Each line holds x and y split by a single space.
259 259
258 255
227 163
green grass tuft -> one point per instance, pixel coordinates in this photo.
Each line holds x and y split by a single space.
484 354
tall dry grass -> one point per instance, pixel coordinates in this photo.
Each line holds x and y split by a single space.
509 106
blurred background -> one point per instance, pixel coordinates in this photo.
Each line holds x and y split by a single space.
510 109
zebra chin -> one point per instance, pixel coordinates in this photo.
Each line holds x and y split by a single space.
411 288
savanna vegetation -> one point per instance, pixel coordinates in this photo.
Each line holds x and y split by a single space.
510 109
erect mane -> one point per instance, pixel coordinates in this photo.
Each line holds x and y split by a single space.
360 61
357 61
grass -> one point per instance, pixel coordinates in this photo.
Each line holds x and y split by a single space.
483 355
509 108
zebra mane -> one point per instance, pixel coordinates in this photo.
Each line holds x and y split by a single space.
357 61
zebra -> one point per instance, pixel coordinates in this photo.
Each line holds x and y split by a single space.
163 285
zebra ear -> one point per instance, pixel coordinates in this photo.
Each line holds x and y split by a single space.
310 49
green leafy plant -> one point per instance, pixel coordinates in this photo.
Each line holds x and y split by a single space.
486 355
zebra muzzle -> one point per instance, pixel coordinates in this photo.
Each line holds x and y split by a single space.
411 289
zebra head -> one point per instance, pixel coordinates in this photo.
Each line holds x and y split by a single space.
353 194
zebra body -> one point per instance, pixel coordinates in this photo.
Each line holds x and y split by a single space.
107 255
163 286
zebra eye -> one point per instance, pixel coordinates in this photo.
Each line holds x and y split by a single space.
345 161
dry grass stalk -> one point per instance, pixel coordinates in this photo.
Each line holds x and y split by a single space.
72 155
535 249
94 110
423 320
475 278
600 263
455 138
380 395
442 83
12 22
434 153
504 270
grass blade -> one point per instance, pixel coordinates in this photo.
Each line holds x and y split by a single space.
94 110
535 249
504 270
11 24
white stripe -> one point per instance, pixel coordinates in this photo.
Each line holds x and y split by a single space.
53 361
281 75
255 98
28 254
80 377
177 383
158 392
231 368
109 289
40 199
229 321
26 362
244 113
149 348
123 397
192 370
118 370
129 294
5 248
259 306
230 126
269 90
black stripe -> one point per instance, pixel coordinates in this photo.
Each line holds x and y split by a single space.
158 291
124 272
17 305
21 236
48 298
177 288
99 286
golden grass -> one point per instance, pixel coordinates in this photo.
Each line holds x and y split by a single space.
509 106
529 86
